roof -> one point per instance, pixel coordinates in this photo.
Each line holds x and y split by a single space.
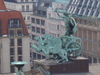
6 15
11 0
2 5
61 1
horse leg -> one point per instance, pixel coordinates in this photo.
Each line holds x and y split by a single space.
63 55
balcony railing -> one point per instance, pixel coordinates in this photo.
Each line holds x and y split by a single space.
14 25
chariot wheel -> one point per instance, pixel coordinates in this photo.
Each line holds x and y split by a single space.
73 49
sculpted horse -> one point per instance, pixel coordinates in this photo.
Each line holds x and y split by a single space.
62 48
51 45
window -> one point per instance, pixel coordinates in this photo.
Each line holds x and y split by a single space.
26 0
34 55
12 69
14 23
12 52
96 2
39 56
44 13
19 42
57 27
46 5
82 11
77 11
90 59
86 1
92 12
33 20
11 32
19 51
80 32
27 7
85 22
11 42
33 29
89 35
37 21
94 60
19 58
90 46
87 11
97 14
43 31
38 30
22 0
12 59
23 8
42 22
43 57
33 36
84 33
39 12
90 2
94 36
19 32
81 21
28 18
28 26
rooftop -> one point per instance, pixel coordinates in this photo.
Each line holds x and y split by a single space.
2 5
6 15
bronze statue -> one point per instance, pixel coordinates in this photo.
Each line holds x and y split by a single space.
70 23
64 47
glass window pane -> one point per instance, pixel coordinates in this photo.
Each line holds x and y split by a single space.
12 52
19 42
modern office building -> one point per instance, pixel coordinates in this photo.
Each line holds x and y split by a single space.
26 8
86 14
14 40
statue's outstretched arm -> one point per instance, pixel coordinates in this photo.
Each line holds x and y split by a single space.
59 14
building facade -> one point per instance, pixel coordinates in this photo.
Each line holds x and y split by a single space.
26 8
14 41
86 14
38 20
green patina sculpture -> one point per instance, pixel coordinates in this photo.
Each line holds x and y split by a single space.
70 23
60 48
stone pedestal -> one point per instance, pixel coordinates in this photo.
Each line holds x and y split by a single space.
76 65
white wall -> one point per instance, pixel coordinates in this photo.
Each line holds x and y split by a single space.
26 53
5 56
